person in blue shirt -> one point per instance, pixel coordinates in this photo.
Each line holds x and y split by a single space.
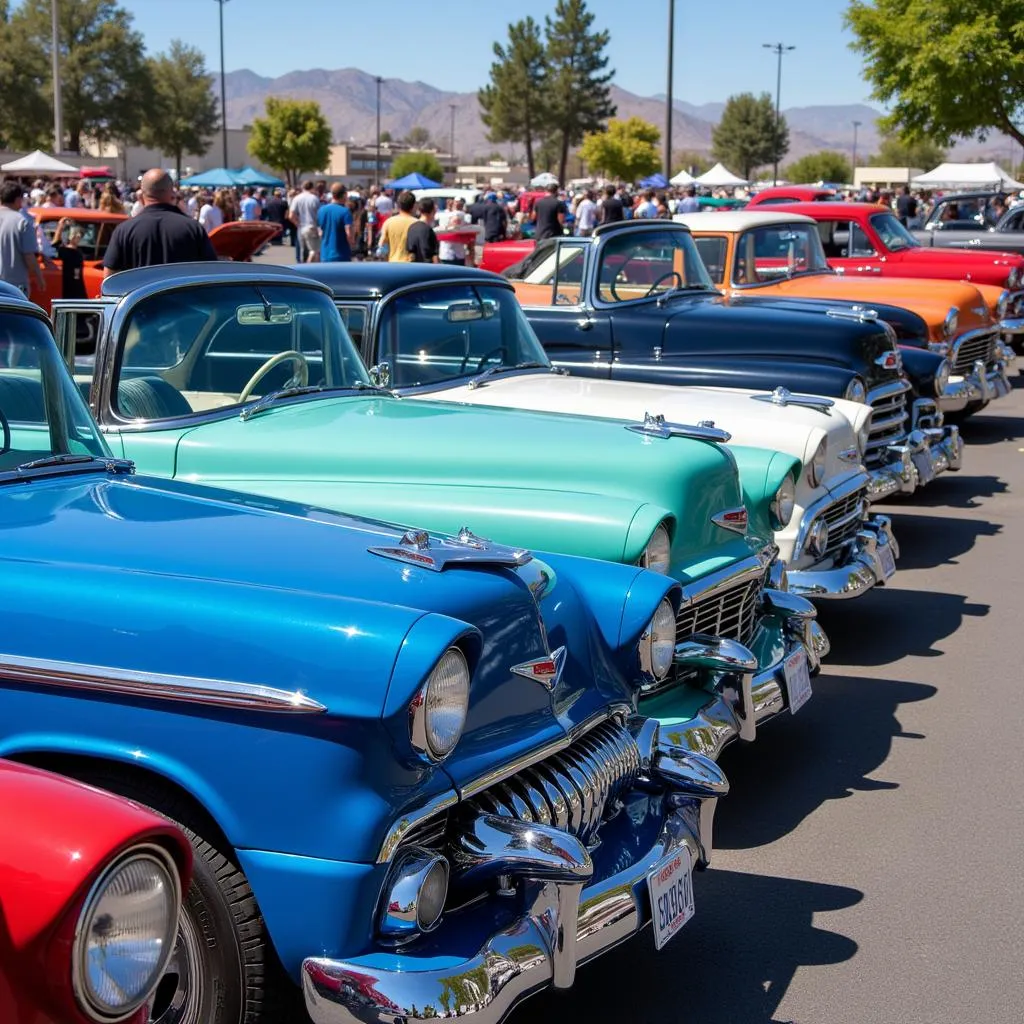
250 206
335 223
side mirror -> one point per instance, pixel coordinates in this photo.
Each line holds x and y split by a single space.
380 374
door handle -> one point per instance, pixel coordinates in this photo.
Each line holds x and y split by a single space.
584 323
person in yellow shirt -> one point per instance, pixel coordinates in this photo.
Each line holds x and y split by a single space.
395 233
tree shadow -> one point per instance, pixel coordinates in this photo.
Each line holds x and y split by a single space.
888 624
991 427
731 964
928 541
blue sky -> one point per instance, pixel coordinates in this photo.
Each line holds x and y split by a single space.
448 44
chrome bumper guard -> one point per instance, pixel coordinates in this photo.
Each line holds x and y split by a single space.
984 384
861 568
563 917
926 454
1011 325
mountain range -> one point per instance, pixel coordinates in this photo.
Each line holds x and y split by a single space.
348 99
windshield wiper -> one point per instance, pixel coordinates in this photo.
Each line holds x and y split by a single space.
97 462
307 389
493 371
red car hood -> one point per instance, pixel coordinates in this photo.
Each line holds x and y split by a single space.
994 264
240 240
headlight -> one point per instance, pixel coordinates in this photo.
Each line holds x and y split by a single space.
437 713
940 348
657 555
816 467
782 504
126 933
950 324
942 377
1003 305
658 642
855 391
864 436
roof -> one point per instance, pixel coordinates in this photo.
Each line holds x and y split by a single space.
118 285
739 220
372 280
42 213
637 224
836 211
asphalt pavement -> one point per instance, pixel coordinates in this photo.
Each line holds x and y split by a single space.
869 860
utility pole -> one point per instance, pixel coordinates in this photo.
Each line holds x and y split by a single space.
668 91
223 101
376 163
58 113
853 166
451 144
778 49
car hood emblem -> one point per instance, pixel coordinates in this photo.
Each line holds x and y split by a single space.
547 671
734 519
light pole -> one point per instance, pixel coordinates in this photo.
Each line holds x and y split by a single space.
376 163
853 166
668 91
58 113
451 143
778 49
223 101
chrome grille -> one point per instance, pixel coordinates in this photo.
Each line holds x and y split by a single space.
844 519
888 426
968 351
731 613
573 789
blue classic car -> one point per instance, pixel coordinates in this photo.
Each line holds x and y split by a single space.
410 765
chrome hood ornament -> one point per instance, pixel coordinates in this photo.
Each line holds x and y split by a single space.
416 547
783 397
655 425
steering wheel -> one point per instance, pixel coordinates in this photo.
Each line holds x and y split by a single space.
6 427
498 350
665 277
282 357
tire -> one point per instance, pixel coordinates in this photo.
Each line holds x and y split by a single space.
218 971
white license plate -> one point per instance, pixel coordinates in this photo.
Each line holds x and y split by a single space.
798 680
670 885
888 560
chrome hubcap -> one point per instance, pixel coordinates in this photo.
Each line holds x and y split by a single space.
179 995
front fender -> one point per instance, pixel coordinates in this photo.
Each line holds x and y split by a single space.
762 472
920 366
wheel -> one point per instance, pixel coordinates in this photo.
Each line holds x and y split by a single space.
282 357
218 972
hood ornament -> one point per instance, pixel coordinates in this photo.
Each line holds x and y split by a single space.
655 425
783 397
547 671
734 519
416 547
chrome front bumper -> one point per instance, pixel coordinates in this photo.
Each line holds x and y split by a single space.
926 454
983 384
554 915
861 569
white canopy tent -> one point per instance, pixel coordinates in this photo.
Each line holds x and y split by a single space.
544 179
720 177
38 162
989 175
682 178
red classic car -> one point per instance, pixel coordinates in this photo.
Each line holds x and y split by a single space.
237 240
90 886
792 194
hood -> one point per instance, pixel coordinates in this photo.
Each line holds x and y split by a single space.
557 483
240 240
986 267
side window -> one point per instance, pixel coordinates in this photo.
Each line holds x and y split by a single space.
354 318
859 244
76 338
835 238
712 253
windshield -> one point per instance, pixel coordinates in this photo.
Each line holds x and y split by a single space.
776 251
437 334
893 234
42 413
91 238
640 264
211 348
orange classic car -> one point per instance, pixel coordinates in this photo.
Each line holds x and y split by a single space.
778 255
237 240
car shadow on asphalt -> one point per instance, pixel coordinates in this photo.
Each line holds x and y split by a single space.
928 541
952 490
731 964
990 428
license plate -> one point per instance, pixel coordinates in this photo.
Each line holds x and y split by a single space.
670 886
888 560
798 680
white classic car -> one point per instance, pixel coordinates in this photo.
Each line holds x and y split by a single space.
461 336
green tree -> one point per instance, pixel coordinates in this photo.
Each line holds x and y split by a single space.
513 105
691 160
409 163
104 76
385 136
25 116
293 137
625 150
945 68
746 135
897 151
418 137
183 115
578 85
824 166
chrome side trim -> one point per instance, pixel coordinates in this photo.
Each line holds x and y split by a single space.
715 582
157 685
410 819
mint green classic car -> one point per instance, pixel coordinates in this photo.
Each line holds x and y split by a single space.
246 378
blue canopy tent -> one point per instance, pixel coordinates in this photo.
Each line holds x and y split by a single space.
414 180
654 181
219 177
250 176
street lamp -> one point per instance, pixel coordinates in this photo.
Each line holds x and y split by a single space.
668 91
856 125
451 143
376 164
778 49
223 101
58 115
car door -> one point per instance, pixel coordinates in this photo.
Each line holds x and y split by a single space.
859 252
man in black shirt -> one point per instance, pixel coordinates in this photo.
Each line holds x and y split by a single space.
549 215
906 206
492 215
160 234
610 208
421 240
275 210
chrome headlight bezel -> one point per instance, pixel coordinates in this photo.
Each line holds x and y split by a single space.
167 886
445 691
942 375
657 645
951 322
783 504
816 466
1003 304
657 553
856 391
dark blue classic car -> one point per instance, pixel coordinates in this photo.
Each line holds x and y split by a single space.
635 302
410 765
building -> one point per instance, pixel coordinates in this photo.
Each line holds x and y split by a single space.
883 177
356 163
